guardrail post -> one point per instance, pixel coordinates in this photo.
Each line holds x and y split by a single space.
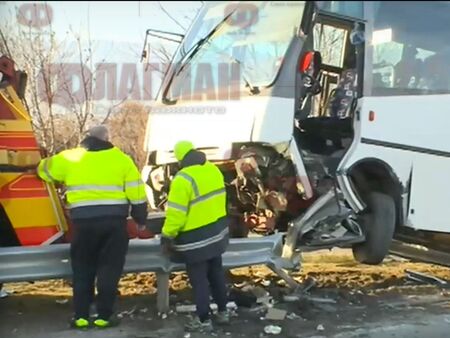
162 296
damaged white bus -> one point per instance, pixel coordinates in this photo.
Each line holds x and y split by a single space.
330 120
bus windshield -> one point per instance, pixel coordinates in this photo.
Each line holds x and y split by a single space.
255 36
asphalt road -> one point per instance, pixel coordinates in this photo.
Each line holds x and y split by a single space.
413 316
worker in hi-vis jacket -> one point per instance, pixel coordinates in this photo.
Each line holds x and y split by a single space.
195 231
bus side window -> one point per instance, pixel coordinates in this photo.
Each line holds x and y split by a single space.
410 55
436 75
407 71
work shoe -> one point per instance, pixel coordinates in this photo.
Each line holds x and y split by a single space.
222 318
103 324
195 325
79 323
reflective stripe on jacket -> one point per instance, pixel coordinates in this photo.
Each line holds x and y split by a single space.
196 212
99 183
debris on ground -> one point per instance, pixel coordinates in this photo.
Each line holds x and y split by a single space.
327 307
262 296
258 292
308 284
3 293
242 298
258 308
276 314
189 308
162 315
281 283
265 282
348 297
185 308
321 300
293 315
232 306
291 298
267 301
301 292
424 278
129 313
272 329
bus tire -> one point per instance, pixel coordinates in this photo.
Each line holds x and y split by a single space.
378 225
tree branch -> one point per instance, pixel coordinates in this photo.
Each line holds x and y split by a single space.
171 17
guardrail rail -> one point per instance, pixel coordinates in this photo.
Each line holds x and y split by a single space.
19 264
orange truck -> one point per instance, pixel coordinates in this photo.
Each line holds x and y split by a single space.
31 211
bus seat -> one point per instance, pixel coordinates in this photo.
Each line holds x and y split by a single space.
341 102
318 131
338 107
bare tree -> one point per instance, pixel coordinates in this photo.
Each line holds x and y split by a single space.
61 113
127 127
177 22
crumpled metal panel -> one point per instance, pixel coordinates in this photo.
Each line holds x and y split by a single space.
52 261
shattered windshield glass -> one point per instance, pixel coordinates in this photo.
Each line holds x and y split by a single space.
256 37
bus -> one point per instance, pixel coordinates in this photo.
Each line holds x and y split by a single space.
314 111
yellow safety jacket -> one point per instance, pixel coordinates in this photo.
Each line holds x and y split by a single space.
99 183
196 212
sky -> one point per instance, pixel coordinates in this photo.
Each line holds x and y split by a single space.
116 29
118 20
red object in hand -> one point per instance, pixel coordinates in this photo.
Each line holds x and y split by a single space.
136 231
132 229
145 234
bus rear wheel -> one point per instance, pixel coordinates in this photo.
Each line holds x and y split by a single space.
378 225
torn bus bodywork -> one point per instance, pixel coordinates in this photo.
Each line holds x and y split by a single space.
265 196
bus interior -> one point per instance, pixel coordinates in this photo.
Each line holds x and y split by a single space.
331 82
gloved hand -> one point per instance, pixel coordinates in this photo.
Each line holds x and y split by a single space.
167 246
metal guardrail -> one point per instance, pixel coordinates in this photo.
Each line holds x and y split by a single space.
20 264
420 254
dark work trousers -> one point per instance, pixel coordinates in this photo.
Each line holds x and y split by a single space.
98 249
203 276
